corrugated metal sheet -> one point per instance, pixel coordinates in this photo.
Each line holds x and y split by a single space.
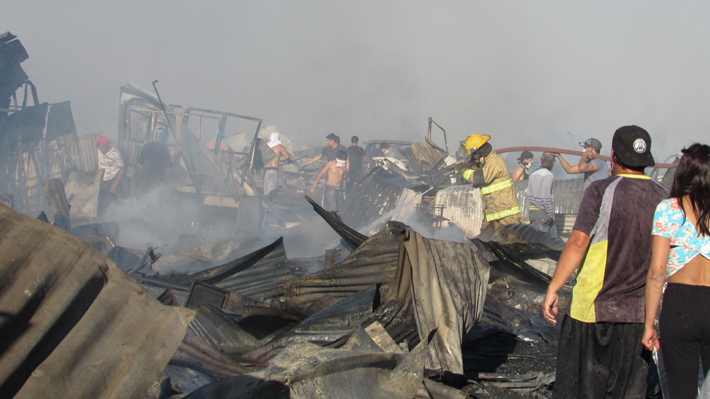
89 155
463 206
376 197
68 153
446 283
351 236
31 159
82 191
519 233
428 154
564 223
337 320
259 275
131 150
73 325
375 261
29 197
568 195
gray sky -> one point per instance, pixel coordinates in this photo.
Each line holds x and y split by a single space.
525 72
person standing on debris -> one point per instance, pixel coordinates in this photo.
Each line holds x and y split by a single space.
155 159
486 170
593 168
539 192
681 254
600 353
356 157
329 151
336 172
522 170
109 159
270 174
376 154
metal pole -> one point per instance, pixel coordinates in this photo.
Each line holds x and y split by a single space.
165 112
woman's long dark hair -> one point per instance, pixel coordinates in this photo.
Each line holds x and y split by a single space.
692 179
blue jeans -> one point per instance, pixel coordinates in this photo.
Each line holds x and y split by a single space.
539 216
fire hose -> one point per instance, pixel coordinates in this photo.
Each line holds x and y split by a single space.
572 152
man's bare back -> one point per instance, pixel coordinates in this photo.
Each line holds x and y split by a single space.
279 150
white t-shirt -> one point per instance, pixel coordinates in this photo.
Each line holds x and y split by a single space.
110 162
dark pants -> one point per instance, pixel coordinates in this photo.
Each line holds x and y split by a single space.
354 176
684 326
601 360
106 197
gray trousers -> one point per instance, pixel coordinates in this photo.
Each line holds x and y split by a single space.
333 198
271 180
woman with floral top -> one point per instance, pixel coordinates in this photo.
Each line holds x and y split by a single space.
681 254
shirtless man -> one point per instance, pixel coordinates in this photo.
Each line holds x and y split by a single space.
337 172
270 173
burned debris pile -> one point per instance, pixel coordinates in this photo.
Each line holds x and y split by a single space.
427 296
202 286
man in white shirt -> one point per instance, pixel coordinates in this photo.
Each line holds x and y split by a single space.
109 159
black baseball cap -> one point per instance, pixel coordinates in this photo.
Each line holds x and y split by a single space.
632 145
591 142
525 155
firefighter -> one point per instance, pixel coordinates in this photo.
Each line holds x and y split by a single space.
486 170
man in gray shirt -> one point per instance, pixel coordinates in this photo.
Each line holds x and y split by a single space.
593 168
542 204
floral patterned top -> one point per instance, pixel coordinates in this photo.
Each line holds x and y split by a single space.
670 222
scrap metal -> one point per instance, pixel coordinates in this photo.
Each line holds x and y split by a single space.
73 324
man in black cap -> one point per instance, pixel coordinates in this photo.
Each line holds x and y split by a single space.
522 170
600 354
593 168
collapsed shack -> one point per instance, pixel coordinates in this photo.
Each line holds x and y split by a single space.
213 172
38 142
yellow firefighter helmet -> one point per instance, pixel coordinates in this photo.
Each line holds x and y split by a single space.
473 142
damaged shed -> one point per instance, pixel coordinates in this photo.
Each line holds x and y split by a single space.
38 141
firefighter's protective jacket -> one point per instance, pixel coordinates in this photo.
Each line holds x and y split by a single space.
497 189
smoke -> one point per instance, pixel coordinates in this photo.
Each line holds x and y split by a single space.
525 73
148 219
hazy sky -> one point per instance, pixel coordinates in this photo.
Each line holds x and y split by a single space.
525 72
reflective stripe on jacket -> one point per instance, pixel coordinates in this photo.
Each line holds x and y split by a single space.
497 190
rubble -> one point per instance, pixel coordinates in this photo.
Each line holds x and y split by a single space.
214 290
73 324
